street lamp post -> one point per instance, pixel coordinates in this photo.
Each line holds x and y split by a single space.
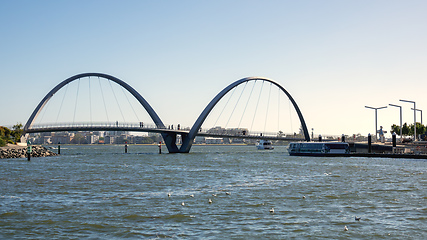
400 119
376 126
415 118
421 114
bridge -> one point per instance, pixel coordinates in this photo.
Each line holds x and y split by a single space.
169 134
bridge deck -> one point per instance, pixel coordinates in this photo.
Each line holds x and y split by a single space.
157 130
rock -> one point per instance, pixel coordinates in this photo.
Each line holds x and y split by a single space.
13 151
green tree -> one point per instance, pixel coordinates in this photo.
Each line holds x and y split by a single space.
78 139
395 129
5 135
2 142
421 129
17 132
405 130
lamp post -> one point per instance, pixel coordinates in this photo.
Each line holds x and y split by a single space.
421 114
415 117
400 119
376 126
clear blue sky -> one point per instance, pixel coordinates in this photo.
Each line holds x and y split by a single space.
334 57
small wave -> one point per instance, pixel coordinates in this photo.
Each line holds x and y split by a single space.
9 214
136 216
177 217
11 197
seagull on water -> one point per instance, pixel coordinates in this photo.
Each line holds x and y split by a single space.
214 195
210 201
272 210
183 204
227 193
345 228
192 195
303 197
357 218
169 195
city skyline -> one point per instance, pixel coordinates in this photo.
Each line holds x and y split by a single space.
333 57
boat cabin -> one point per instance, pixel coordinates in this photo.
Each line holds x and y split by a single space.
296 148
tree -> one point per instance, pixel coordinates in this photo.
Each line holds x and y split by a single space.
405 129
395 129
79 139
421 129
2 142
5 136
17 132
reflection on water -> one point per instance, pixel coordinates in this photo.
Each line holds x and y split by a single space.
100 192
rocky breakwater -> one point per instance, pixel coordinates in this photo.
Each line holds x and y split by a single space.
13 151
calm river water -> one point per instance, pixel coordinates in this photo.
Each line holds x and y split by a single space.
98 192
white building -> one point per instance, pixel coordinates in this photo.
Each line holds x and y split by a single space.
211 140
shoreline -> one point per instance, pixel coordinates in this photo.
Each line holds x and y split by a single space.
16 151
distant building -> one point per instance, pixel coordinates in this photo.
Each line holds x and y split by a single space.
92 139
62 137
211 140
110 139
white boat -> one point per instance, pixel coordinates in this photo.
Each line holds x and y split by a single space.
318 149
264 145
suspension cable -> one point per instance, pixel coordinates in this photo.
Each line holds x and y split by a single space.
232 93
103 99
236 105
60 107
117 101
77 97
247 102
130 105
268 104
44 112
256 108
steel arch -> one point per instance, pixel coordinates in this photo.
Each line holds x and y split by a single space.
169 140
188 141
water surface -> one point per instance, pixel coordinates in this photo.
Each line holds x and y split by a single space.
99 192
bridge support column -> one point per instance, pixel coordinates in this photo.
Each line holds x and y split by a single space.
170 141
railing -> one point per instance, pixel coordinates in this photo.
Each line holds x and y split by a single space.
150 127
93 124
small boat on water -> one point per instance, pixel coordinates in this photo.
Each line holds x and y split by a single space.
264 145
319 149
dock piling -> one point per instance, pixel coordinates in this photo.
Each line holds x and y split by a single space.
369 143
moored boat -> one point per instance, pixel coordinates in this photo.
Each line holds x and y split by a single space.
318 149
264 145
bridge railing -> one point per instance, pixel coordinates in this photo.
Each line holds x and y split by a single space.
94 124
251 134
141 125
